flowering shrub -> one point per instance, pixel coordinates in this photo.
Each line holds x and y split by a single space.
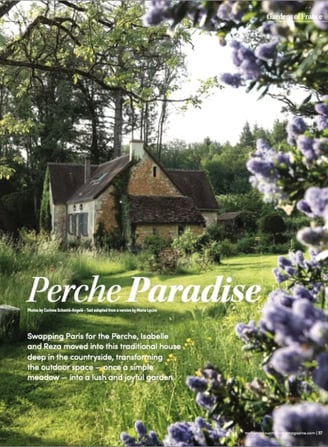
288 407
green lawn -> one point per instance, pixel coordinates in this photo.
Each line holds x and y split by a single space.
95 412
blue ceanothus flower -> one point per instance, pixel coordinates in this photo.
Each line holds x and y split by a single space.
304 424
198 432
180 434
315 202
144 438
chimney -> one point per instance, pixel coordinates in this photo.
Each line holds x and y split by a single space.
136 149
87 169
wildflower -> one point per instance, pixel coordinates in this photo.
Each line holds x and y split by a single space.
102 370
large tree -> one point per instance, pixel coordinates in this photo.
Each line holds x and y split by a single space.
76 77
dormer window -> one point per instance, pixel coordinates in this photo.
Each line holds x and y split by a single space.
154 171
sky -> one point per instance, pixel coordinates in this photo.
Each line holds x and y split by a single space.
222 116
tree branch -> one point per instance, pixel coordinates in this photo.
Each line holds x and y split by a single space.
7 6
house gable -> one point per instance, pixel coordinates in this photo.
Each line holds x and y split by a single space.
149 178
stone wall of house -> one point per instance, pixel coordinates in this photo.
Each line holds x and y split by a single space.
105 211
211 218
58 218
167 231
58 221
147 178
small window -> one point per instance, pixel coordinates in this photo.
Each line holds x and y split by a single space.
154 171
181 229
72 223
83 224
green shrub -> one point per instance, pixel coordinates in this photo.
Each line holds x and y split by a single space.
186 243
227 248
246 244
155 244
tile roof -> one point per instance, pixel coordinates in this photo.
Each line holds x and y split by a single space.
233 215
195 184
101 178
164 209
65 178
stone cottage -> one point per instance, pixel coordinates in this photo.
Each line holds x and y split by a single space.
133 193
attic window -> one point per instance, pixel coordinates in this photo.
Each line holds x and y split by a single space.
98 179
154 171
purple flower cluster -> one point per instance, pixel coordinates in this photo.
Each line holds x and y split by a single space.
280 175
295 127
322 114
208 387
320 374
157 12
265 165
180 434
299 328
304 424
319 14
198 432
143 437
315 203
246 61
297 271
267 51
291 319
230 10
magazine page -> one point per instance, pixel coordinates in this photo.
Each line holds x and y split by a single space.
158 291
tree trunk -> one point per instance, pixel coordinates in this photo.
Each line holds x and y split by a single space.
118 123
